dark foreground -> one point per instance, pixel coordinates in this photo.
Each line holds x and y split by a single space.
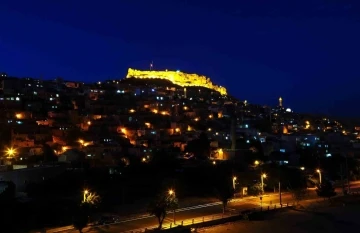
340 216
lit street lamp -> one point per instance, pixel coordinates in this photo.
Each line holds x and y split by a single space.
234 182
86 192
10 152
172 193
256 162
262 182
319 171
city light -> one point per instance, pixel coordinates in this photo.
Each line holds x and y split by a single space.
19 116
10 152
319 171
256 162
90 197
172 194
262 182
178 78
86 192
234 182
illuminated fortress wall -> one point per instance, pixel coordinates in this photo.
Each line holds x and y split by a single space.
178 78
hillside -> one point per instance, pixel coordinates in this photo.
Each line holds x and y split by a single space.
177 78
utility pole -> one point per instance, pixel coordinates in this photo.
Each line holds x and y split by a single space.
347 174
280 192
342 178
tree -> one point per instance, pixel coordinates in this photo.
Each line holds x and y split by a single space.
80 220
48 153
73 135
163 160
200 147
224 192
298 194
325 190
159 207
91 199
255 189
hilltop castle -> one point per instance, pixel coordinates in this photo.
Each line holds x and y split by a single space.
178 78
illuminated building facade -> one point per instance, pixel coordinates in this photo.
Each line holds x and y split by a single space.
178 78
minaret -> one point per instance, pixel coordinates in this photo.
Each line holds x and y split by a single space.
151 65
280 102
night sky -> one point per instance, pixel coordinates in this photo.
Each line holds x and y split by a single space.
306 51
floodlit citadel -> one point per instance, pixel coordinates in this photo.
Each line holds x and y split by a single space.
178 78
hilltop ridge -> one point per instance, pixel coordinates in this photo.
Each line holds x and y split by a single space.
178 78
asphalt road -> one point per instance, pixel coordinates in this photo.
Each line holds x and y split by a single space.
237 205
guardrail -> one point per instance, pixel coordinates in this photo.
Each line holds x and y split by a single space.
198 220
142 216
209 218
194 221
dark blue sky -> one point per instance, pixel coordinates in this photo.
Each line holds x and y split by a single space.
306 51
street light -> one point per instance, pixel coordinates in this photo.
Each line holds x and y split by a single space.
10 152
171 193
302 168
262 182
86 192
319 171
234 182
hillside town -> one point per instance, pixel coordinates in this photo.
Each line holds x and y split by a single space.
109 121
128 139
114 121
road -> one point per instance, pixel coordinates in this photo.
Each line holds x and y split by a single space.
237 205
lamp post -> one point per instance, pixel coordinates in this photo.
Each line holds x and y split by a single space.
172 194
280 193
347 172
319 171
10 152
262 182
234 182
86 192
